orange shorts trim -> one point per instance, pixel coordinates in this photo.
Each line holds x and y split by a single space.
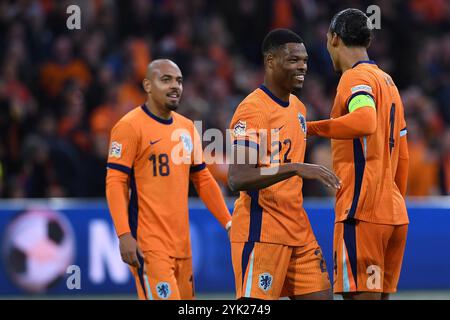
164 277
367 256
270 271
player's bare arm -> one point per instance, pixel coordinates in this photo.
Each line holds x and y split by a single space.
248 176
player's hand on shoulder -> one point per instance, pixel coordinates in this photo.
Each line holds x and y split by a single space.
322 173
129 250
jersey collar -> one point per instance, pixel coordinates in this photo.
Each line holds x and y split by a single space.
282 103
364 61
154 117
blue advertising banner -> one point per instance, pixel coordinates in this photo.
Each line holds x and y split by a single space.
40 239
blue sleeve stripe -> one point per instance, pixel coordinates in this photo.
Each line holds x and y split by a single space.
197 168
119 167
403 132
246 143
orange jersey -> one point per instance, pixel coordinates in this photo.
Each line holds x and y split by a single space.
159 156
274 214
367 166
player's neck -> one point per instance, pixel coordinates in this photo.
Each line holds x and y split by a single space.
278 92
351 56
160 112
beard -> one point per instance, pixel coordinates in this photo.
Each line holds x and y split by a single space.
172 106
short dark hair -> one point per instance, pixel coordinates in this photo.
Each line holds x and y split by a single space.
277 38
353 27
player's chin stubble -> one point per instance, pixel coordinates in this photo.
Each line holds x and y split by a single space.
171 107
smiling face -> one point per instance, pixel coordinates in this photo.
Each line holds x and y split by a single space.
164 83
289 66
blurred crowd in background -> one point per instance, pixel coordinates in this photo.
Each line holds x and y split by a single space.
61 91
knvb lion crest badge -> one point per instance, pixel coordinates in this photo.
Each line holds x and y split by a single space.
163 290
302 121
265 281
187 142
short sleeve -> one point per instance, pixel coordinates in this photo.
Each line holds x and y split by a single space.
356 89
123 147
249 123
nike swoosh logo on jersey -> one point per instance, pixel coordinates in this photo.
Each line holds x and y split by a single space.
153 142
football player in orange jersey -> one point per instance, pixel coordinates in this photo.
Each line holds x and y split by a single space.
154 152
370 155
274 250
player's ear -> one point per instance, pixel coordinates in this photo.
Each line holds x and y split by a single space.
334 39
269 59
146 84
